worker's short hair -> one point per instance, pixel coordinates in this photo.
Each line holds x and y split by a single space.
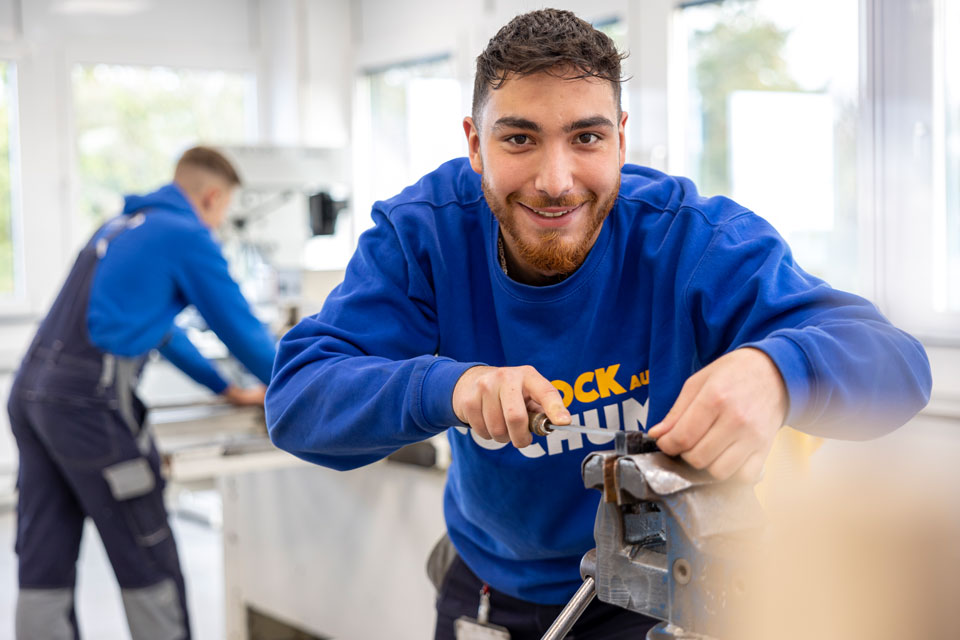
209 160
551 41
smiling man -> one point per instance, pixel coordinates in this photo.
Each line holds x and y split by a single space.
543 273
553 173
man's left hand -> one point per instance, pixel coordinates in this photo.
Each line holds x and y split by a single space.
727 416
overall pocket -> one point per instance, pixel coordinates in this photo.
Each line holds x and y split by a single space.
138 490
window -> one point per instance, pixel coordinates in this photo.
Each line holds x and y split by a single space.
408 120
9 240
772 119
132 122
616 29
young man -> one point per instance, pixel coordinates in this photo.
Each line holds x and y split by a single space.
543 273
84 451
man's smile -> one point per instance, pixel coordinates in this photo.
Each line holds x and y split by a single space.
551 213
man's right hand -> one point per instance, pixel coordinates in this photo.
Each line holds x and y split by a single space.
495 402
249 397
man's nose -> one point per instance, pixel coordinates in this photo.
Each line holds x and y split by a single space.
555 177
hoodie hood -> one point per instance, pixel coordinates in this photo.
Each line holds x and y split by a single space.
169 197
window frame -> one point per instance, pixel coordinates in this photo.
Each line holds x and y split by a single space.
15 305
910 177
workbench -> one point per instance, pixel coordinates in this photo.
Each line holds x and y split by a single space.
325 553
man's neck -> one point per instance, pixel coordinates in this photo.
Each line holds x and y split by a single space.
519 272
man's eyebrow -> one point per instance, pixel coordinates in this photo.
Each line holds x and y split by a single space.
592 122
512 122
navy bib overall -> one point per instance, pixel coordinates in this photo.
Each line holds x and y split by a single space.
85 452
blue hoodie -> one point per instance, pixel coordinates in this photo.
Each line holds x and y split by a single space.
147 276
673 282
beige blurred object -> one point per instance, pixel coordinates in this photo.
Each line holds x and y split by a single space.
787 464
862 548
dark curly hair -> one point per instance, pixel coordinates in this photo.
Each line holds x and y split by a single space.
547 40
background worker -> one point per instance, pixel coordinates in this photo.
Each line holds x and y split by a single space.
544 273
84 449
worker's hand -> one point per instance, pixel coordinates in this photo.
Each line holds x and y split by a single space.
495 402
727 416
252 396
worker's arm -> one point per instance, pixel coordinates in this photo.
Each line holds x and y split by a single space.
204 280
359 379
783 347
183 354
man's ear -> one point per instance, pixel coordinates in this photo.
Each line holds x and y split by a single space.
211 196
473 144
621 130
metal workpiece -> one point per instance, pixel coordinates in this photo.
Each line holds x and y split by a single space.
625 441
540 425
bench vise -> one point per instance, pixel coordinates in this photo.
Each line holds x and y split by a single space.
671 543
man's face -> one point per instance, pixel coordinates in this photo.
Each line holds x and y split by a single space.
550 152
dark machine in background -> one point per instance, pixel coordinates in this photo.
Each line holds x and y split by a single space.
324 210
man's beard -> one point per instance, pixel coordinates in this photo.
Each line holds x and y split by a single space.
551 252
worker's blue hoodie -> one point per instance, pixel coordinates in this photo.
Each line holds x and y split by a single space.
673 282
151 271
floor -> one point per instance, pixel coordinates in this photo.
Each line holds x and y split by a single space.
99 610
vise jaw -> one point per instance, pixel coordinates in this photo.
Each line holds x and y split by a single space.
671 540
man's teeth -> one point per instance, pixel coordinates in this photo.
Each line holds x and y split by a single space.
551 214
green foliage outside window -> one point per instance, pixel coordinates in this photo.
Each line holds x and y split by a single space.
742 51
133 122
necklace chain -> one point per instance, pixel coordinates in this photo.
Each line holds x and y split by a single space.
502 254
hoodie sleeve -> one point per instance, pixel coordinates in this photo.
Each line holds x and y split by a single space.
203 278
332 402
184 355
849 373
